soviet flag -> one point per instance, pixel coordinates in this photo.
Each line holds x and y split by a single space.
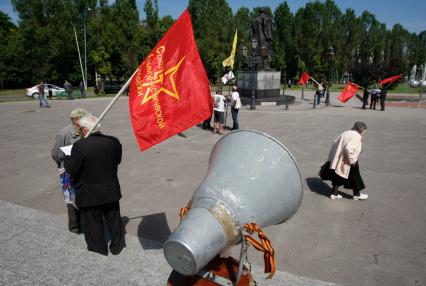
170 91
348 92
304 78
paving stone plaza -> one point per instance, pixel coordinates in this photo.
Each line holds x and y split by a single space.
380 241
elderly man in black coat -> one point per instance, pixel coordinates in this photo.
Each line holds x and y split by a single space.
93 165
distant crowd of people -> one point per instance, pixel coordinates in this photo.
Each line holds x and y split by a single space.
42 88
376 93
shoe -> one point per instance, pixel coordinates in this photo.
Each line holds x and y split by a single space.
115 252
361 197
335 197
118 250
76 231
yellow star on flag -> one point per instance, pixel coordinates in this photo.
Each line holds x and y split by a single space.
158 79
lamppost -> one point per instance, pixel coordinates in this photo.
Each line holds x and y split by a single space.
252 61
330 55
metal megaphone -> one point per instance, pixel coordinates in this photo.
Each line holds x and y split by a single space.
251 177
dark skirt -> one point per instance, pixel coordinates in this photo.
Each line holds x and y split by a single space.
354 180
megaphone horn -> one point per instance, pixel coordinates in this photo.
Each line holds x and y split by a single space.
251 177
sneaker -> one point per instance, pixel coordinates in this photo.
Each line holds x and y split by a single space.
361 197
335 197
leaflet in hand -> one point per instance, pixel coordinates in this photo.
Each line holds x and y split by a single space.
66 150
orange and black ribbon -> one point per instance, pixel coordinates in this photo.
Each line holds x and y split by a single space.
184 210
263 245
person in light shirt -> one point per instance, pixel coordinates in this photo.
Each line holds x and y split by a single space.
219 112
343 160
235 107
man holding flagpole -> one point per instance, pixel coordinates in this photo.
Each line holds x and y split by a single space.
93 165
384 85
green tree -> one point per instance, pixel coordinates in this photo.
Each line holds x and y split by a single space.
309 33
152 22
370 55
398 50
7 29
241 23
350 41
285 40
123 48
43 46
213 38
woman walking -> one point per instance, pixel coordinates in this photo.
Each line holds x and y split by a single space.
343 161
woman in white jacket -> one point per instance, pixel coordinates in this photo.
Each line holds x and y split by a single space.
343 158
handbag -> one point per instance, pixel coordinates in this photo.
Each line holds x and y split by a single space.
238 103
324 171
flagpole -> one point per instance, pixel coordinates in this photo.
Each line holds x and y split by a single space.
316 82
123 88
358 85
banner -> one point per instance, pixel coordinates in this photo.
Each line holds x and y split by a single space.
304 78
390 80
170 91
230 60
349 91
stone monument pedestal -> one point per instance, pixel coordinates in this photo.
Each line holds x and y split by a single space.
267 85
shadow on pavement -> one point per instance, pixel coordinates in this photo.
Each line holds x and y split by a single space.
318 186
153 228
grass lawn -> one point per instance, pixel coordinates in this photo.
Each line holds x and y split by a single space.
9 92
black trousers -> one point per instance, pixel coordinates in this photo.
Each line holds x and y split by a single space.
373 101
354 180
92 219
364 100
206 123
382 101
73 219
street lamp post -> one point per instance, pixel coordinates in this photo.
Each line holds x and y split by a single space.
330 55
422 82
253 71
252 60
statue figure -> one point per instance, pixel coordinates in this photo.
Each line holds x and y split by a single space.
262 30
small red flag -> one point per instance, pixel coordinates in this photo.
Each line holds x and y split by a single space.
304 77
170 91
390 80
349 91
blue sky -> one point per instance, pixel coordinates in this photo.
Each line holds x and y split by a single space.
409 13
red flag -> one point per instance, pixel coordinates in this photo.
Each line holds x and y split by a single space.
349 91
390 80
304 77
170 91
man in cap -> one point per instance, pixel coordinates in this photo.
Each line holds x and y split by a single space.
93 164
67 136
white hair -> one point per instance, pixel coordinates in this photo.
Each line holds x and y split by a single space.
88 121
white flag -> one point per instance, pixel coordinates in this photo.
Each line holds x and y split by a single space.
227 77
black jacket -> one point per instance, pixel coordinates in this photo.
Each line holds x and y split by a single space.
93 165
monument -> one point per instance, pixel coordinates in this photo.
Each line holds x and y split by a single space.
261 84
